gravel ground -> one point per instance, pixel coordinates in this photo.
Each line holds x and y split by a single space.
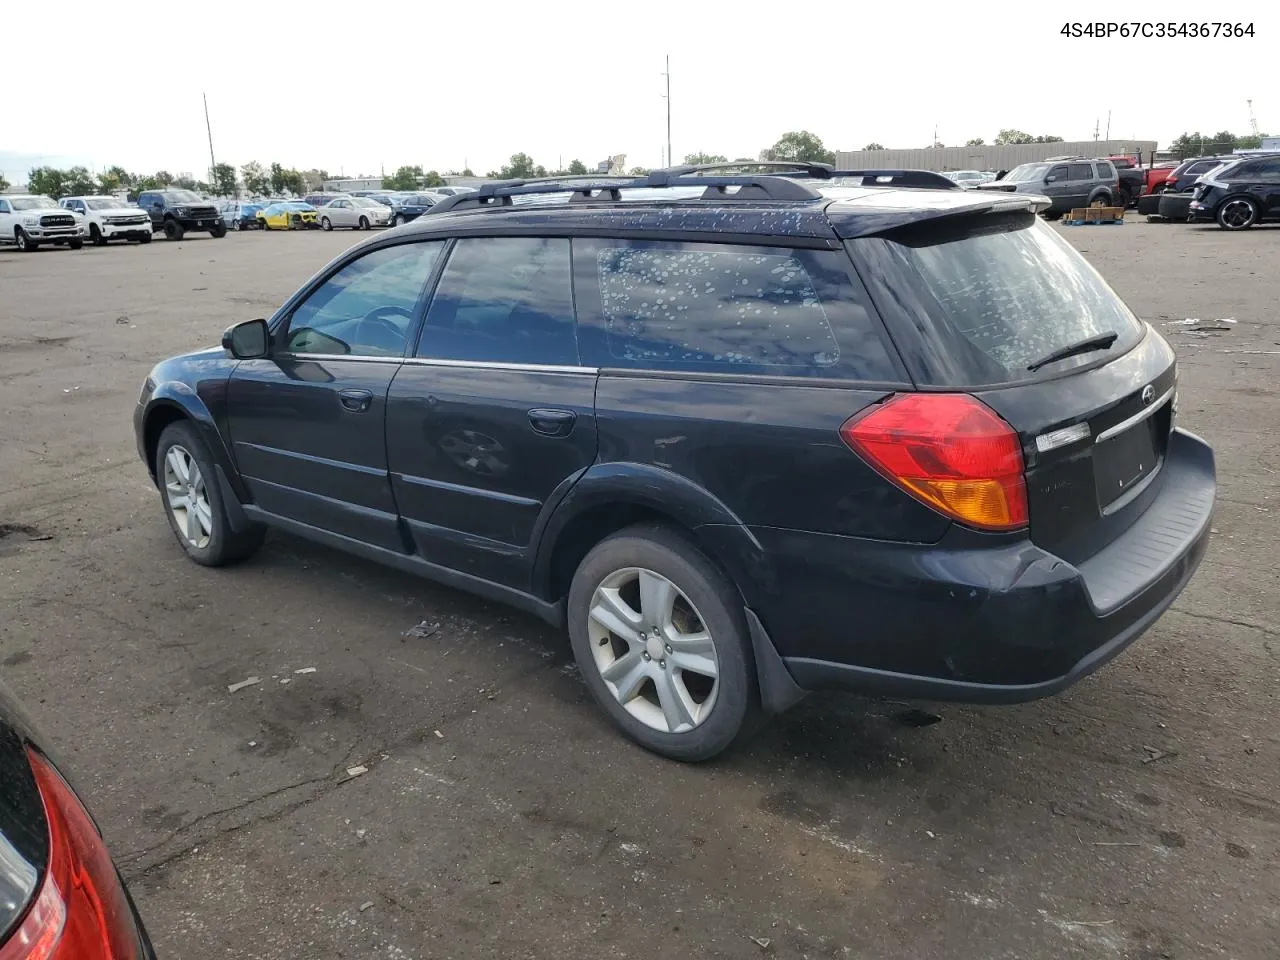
500 815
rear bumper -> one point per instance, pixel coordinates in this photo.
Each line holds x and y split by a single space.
1175 206
963 621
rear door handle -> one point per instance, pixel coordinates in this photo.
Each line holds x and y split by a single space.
355 400
552 423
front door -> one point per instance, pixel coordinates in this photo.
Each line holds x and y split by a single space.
308 424
493 419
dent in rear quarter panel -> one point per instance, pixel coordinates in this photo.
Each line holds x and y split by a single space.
770 451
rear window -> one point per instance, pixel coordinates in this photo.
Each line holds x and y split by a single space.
723 308
991 299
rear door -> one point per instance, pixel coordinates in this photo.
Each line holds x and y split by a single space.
308 424
1080 183
1267 178
493 419
976 304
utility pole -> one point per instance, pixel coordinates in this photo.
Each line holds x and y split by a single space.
209 130
1108 136
1096 124
667 74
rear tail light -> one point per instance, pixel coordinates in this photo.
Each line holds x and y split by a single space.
81 911
949 450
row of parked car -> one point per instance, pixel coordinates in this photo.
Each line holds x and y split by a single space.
30 221
1234 191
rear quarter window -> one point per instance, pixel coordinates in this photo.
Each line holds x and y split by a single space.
726 308
983 299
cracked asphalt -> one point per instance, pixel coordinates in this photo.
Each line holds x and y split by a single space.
1135 816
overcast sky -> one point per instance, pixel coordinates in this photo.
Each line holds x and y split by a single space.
358 87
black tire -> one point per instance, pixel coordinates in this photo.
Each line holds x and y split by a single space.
1126 198
75 244
173 230
396 220
224 545
145 238
218 232
325 224
237 225
24 242
1236 213
364 223
668 552
96 237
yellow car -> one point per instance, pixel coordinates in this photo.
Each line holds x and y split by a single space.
288 215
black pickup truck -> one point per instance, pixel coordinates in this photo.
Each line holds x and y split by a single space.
1133 179
176 211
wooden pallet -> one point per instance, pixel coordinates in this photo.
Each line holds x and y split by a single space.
1094 215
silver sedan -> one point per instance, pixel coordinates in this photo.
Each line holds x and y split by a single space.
358 213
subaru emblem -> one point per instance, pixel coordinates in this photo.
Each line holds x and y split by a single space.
1148 395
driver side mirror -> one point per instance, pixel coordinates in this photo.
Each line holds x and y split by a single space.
248 340
1051 179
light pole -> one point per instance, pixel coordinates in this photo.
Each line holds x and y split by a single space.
667 96
213 171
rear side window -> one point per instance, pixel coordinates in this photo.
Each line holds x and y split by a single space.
1080 171
722 308
992 296
1106 171
503 299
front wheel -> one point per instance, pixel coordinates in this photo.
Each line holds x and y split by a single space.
173 230
218 232
237 225
397 220
193 501
1237 213
659 636
325 224
364 223
96 237
75 244
24 242
145 238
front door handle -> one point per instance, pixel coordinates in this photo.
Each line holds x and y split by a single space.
552 423
355 400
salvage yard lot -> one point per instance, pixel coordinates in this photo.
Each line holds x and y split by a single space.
1136 816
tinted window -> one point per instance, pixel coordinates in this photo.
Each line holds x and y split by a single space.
367 307
1201 166
503 299
724 308
995 298
1059 172
1079 171
1267 169
4 206
1106 171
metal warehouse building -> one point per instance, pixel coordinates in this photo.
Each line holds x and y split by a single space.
989 157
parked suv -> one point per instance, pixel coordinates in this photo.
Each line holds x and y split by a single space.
1239 194
110 219
29 221
1068 184
411 206
176 211
744 436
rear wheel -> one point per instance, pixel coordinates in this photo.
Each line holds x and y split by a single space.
364 223
660 639
24 242
1237 213
193 501
396 220
173 230
96 237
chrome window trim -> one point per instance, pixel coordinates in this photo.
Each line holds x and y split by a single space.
462 364
1148 411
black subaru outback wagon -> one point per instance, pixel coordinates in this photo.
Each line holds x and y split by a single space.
744 436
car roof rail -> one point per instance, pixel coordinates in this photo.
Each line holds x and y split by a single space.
928 179
828 171
589 189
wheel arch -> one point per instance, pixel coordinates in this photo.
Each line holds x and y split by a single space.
173 402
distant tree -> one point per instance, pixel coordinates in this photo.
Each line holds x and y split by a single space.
1043 138
47 181
801 145
294 182
466 172
80 182
432 178
975 142
255 178
519 167
162 177
224 179
277 174
577 168
114 178
743 160
186 183
4 184
700 158
937 145
1013 136
639 171
142 182
405 178
874 146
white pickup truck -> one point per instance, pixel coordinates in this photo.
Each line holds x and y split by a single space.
29 221
110 219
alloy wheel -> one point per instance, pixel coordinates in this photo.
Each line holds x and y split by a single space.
653 650
187 496
1237 214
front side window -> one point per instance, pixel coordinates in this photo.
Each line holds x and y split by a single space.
367 307
4 206
1058 173
721 308
503 299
